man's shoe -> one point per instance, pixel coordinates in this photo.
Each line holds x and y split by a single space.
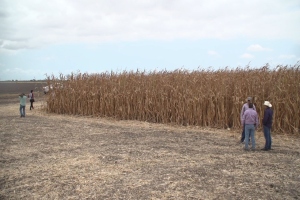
264 149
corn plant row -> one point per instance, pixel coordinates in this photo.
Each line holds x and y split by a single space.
203 98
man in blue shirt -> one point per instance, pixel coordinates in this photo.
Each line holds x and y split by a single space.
267 124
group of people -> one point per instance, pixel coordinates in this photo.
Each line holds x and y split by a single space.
23 98
250 122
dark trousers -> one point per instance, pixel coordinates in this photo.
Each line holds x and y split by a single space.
267 134
31 103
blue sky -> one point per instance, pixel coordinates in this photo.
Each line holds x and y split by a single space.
94 36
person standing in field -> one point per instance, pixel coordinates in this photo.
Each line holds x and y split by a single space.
31 97
244 108
267 124
250 123
22 98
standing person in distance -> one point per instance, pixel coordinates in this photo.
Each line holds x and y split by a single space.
267 124
22 98
244 108
250 121
31 97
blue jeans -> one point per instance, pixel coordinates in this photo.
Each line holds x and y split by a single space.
22 110
249 130
243 135
267 134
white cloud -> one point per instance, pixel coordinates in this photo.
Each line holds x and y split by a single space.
37 23
7 52
257 47
15 45
212 53
247 55
46 58
17 70
287 56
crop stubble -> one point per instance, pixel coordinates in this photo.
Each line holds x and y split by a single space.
49 156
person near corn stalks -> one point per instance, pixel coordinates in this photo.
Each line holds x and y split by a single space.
267 124
250 123
22 98
244 108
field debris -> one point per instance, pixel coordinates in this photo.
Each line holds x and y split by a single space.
50 156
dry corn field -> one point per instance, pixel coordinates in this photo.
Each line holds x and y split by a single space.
198 98
53 156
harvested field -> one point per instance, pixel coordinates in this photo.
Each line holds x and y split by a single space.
9 91
49 156
7 87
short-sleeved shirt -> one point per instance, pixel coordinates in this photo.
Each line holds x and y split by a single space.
30 96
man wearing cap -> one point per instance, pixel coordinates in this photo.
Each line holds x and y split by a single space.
267 124
22 98
244 108
250 123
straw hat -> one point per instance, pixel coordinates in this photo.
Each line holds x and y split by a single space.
267 103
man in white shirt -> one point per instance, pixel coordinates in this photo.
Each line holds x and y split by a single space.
22 98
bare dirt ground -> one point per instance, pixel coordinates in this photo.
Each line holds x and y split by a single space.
9 87
47 156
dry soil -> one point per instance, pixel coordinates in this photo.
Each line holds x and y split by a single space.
48 156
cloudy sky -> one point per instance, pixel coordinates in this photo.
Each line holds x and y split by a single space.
62 36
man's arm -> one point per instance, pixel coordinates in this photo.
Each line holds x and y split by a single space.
266 116
257 121
242 111
243 118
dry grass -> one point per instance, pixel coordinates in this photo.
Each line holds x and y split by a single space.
49 156
198 98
